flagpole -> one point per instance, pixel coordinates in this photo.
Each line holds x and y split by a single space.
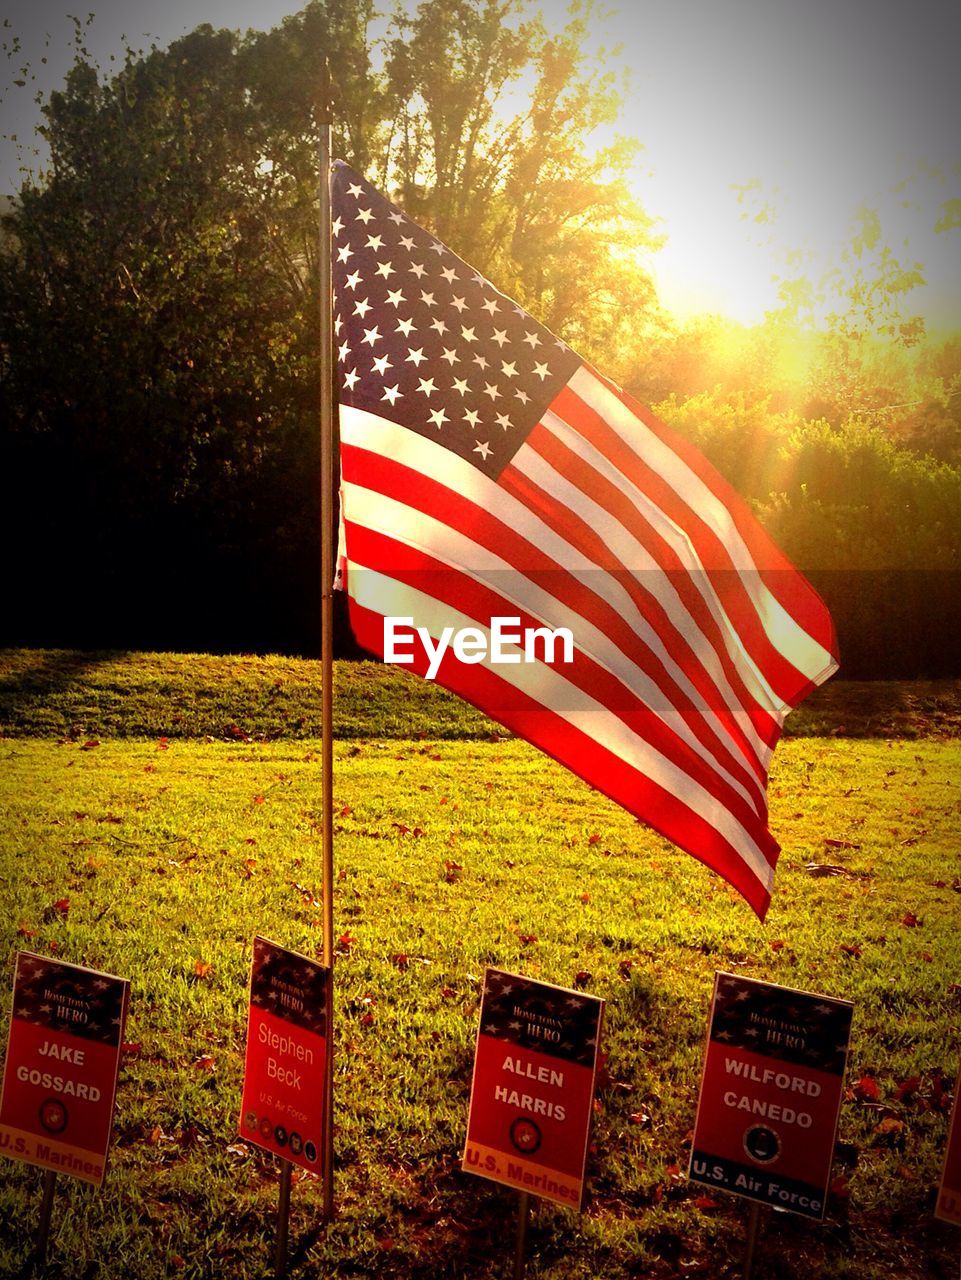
327 618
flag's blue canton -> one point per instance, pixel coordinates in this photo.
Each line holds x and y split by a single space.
427 342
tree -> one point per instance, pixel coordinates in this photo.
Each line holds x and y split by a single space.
158 288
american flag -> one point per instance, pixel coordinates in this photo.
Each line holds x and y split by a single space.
488 472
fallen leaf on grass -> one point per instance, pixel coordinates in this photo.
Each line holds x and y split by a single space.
910 920
706 1202
867 1089
131 1048
401 961
202 968
840 1189
907 1089
840 844
24 930
852 949
206 1062
89 746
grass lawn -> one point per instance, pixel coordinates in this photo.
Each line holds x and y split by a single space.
155 847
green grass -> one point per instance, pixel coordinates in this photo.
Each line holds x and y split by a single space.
453 855
69 694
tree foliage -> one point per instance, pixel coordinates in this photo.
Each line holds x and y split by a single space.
158 284
159 329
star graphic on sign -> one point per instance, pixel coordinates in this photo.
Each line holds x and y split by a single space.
353 280
460 385
502 420
533 339
491 390
428 299
391 393
451 356
522 395
375 243
405 327
344 252
364 216
468 334
372 335
395 297
355 189
407 242
509 369
427 386
382 364
351 379
343 351
473 417
416 356
439 326
541 370
490 305
397 218
417 269
459 304
336 226
438 417
500 336
480 361
361 307
385 269
449 274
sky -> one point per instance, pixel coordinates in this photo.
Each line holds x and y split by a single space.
812 107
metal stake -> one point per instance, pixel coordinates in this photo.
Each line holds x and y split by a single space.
46 1210
753 1226
520 1251
283 1219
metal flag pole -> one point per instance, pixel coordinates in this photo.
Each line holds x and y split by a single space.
327 618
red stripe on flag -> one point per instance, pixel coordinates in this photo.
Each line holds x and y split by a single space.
424 494
582 536
579 753
408 565
789 684
600 490
789 587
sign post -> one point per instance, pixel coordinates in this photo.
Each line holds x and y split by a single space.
60 1074
283 1107
770 1096
532 1090
948 1208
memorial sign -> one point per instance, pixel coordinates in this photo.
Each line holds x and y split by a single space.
282 1108
771 1094
533 1086
62 1064
948 1208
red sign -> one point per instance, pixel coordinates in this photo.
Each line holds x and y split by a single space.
63 1059
770 1097
533 1086
949 1196
282 1109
